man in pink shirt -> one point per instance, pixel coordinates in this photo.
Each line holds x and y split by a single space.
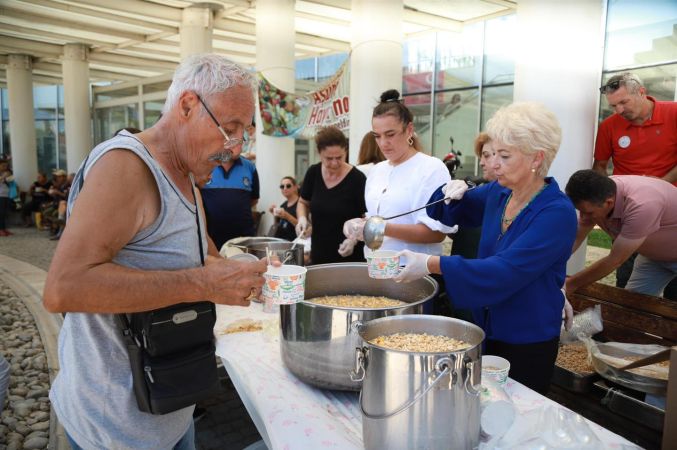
640 215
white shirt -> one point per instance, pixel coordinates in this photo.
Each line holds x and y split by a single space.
392 190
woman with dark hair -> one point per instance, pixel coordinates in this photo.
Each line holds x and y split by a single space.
404 181
332 192
285 214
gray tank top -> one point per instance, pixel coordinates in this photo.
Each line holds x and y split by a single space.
92 394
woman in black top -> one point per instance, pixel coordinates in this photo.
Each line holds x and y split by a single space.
285 214
332 192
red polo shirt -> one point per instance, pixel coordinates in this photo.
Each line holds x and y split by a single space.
646 149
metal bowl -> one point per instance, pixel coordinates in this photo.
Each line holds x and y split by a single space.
318 342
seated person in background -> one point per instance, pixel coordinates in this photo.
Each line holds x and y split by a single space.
528 227
640 215
57 218
285 214
38 193
369 154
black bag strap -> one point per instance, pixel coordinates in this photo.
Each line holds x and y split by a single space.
121 319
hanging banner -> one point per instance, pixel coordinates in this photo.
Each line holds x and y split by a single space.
284 114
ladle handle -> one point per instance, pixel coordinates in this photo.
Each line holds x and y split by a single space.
414 210
470 184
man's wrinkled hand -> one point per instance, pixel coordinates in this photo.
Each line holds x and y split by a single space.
232 282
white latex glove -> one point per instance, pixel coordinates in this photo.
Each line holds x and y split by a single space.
353 228
567 312
454 190
417 266
301 226
347 246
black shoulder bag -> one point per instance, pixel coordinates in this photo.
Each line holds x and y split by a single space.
171 351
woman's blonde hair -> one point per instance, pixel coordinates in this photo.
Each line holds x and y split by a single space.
530 127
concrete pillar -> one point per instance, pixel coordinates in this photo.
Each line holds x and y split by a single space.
197 22
375 61
22 120
275 38
77 116
559 63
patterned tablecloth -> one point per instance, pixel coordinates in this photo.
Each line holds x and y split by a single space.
292 415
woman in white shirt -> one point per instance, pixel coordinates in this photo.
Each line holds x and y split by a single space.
404 181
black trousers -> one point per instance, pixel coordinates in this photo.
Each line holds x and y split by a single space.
530 364
4 212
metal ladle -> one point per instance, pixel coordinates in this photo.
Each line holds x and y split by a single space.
375 227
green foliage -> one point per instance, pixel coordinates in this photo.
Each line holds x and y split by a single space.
598 238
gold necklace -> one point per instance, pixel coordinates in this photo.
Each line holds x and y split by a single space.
508 220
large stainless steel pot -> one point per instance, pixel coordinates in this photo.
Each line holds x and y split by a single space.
413 400
317 342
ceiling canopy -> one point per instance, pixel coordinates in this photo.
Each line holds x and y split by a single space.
130 39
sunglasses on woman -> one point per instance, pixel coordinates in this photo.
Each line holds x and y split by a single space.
286 186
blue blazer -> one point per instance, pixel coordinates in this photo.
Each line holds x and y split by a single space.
513 287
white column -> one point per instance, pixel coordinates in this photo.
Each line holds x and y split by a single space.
22 119
196 29
375 61
559 63
77 117
275 36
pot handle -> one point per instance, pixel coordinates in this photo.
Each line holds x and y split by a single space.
443 366
469 387
356 326
357 374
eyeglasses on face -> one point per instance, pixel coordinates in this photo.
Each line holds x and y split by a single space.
228 142
286 186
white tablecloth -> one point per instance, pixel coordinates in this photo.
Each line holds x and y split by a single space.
292 415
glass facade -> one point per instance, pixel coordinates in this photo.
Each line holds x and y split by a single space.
452 81
109 120
641 37
472 77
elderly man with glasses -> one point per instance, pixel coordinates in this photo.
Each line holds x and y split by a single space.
136 242
640 138
231 192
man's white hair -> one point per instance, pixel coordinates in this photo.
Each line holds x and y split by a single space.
206 74
530 127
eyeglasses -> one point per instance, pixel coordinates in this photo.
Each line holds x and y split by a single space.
228 143
286 186
611 86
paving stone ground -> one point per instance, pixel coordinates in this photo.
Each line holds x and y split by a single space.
226 423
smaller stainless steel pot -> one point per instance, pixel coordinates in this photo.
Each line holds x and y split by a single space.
288 252
318 342
420 400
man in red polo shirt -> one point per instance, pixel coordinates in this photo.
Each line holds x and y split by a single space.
640 139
